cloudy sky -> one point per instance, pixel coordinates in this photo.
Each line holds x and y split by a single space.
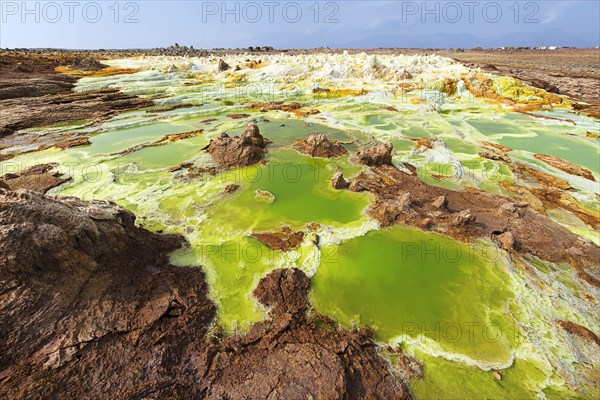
286 24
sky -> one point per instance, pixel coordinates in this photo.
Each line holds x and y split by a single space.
111 24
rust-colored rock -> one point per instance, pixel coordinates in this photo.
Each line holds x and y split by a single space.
580 331
284 240
231 188
474 213
318 145
223 66
543 178
379 154
566 166
75 142
338 182
496 155
38 178
239 151
89 294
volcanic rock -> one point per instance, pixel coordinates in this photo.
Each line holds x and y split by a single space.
338 182
566 166
439 202
232 187
75 142
495 155
38 178
223 66
88 64
534 233
462 218
284 240
380 154
239 151
318 145
86 293
505 240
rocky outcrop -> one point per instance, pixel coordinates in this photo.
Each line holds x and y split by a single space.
33 94
379 154
495 154
301 355
338 182
565 166
294 107
474 213
39 178
91 308
75 142
239 151
87 64
223 66
284 240
88 294
318 145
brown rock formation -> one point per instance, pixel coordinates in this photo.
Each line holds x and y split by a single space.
293 107
75 142
318 145
581 331
379 154
223 66
338 182
566 166
90 308
239 151
37 178
496 155
88 294
301 355
471 214
88 64
284 240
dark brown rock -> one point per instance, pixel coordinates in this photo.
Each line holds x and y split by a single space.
473 213
318 145
88 64
223 66
91 308
379 154
301 355
496 155
75 142
88 294
284 240
232 187
239 151
38 178
338 182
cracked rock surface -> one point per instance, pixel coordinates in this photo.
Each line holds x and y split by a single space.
91 308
